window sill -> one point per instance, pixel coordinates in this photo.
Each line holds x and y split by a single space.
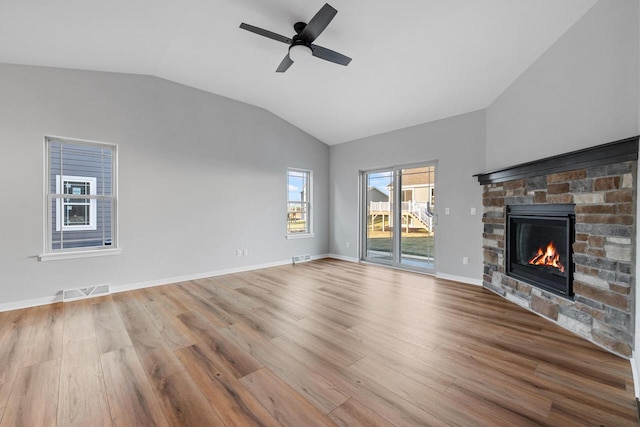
78 254
299 236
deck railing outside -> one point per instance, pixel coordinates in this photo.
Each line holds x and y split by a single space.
419 209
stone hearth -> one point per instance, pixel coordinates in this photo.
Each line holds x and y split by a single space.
601 182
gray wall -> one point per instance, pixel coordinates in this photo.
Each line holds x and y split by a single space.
582 92
635 360
457 144
199 177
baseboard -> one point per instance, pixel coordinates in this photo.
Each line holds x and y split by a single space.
197 276
150 283
342 258
462 279
168 280
27 303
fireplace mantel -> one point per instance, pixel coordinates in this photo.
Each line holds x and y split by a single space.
623 150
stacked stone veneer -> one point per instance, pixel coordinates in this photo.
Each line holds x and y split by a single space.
604 250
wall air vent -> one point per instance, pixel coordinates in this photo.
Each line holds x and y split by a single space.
297 259
83 293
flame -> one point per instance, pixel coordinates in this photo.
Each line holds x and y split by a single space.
550 258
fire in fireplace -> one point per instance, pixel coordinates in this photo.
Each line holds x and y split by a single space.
539 246
549 257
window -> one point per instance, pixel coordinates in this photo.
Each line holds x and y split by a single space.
298 203
80 196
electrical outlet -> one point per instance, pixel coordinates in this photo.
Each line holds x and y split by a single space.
239 252
465 260
347 245
447 211
245 252
473 211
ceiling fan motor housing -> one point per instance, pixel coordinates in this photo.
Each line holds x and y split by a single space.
299 26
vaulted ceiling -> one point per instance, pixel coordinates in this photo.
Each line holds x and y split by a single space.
414 61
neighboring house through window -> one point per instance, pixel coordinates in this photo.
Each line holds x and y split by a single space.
299 203
73 213
81 196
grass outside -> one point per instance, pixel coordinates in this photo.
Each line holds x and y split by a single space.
297 226
417 244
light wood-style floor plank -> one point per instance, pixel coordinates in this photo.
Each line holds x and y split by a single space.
110 331
78 322
225 349
183 402
235 405
82 400
314 387
167 297
46 338
131 399
176 335
214 314
34 398
321 343
285 405
14 342
352 413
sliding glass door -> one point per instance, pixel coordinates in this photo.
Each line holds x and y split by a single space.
399 216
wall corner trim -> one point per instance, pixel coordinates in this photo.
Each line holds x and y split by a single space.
635 370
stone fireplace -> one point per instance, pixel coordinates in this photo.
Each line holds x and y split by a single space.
559 240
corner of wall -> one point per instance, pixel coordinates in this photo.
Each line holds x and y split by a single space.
635 361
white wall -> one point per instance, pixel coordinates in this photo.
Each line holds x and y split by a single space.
457 144
200 176
582 92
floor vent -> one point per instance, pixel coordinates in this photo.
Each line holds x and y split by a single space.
82 293
301 258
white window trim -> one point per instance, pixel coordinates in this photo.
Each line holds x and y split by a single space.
309 233
77 253
61 254
299 236
93 217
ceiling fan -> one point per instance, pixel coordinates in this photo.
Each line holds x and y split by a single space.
303 40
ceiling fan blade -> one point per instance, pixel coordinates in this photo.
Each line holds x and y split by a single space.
329 55
265 33
285 64
318 23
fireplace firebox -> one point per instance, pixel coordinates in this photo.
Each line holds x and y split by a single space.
539 246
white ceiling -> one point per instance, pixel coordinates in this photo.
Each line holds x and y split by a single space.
414 61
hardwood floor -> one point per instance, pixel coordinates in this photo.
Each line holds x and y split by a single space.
321 343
